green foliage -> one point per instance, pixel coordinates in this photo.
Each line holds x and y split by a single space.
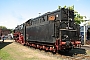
4 55
78 18
71 7
3 27
65 6
11 30
88 23
59 7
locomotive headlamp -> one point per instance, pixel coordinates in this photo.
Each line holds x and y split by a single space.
66 36
57 15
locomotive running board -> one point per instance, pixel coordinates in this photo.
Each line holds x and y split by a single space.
68 29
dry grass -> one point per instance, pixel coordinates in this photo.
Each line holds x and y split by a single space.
10 50
15 51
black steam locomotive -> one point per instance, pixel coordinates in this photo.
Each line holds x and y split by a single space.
52 31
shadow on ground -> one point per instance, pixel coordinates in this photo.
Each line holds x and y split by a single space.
3 44
73 52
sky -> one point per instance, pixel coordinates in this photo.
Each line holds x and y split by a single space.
16 12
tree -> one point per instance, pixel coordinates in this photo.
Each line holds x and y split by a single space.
3 27
59 7
11 30
77 17
87 22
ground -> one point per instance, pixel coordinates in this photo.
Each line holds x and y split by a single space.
10 50
19 52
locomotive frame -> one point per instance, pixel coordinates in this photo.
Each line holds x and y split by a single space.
53 31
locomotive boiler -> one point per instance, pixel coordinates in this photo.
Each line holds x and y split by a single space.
53 31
